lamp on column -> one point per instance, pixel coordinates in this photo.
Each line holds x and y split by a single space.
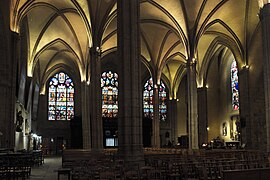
246 67
192 62
96 50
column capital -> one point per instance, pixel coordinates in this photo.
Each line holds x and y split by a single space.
96 50
243 70
191 62
156 86
85 84
174 100
203 88
264 11
262 3
15 35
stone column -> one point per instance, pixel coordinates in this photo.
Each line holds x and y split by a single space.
7 85
265 21
172 107
86 127
96 112
192 105
130 91
9 81
155 121
246 124
202 115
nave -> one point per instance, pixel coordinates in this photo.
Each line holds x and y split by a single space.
47 171
91 75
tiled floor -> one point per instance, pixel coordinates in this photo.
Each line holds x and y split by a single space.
47 171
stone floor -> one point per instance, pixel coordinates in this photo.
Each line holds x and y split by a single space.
47 171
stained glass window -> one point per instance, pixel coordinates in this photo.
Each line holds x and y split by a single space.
61 97
148 103
234 86
109 86
162 102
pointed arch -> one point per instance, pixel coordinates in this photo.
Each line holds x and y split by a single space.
148 100
216 45
60 97
109 89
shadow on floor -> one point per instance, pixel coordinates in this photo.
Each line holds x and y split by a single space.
47 171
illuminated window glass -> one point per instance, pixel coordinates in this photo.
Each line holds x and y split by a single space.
109 87
148 103
61 97
234 86
162 101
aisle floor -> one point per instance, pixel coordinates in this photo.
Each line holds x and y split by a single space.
47 171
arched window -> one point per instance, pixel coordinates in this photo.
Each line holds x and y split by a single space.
148 103
162 102
234 86
109 86
61 97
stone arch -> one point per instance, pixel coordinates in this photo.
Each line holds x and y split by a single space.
217 45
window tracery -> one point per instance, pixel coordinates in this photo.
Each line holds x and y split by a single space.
148 100
109 88
61 97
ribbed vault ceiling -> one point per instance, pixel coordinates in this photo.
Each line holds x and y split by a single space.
60 32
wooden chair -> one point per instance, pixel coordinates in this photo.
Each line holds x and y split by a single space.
131 174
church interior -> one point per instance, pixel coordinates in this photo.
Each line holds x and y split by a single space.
144 84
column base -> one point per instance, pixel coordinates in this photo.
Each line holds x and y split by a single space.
132 155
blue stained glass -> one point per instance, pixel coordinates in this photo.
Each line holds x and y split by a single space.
60 97
109 86
234 86
54 81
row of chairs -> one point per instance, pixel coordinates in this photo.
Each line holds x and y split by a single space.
113 170
18 165
37 158
166 166
15 167
203 167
